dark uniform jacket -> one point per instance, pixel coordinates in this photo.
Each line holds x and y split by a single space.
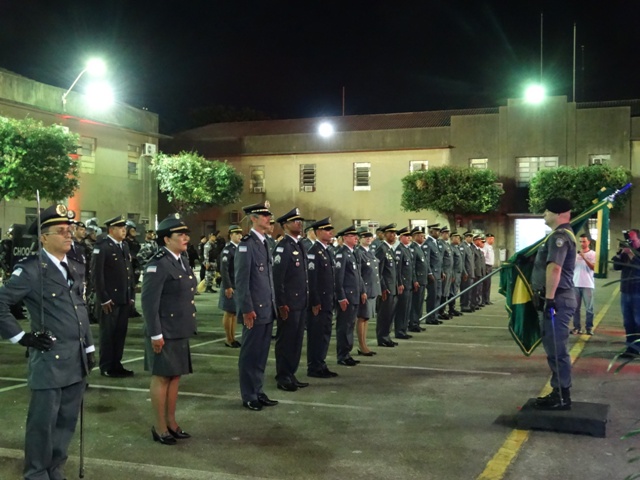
227 267
65 315
469 261
369 271
290 274
405 269
560 248
447 257
420 262
349 283
78 254
321 277
307 243
457 252
478 262
254 279
167 297
435 256
388 275
111 272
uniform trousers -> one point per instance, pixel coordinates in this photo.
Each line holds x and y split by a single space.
289 345
345 323
465 299
434 292
417 303
477 293
252 361
403 309
113 333
454 290
318 338
486 285
446 289
385 317
51 421
555 336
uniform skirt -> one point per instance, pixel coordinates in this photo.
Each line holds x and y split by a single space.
226 304
367 310
173 360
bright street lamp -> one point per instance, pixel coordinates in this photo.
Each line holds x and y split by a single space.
325 129
95 67
99 95
535 94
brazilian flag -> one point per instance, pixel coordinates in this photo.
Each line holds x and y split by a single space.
515 276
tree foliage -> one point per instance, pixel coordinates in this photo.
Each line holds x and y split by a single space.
579 184
451 190
192 182
33 156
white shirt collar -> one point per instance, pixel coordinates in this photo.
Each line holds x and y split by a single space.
258 234
57 262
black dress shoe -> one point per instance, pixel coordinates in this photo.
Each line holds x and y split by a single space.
320 374
135 314
330 373
404 336
354 360
254 405
123 372
347 362
107 373
300 384
467 310
266 401
164 438
232 345
287 387
415 329
178 433
386 344
432 321
366 354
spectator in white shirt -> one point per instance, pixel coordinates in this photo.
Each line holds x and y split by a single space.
489 260
584 285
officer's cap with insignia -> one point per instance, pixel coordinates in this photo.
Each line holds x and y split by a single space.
117 221
434 226
445 229
79 224
468 234
477 236
350 230
455 234
558 205
391 228
172 224
54 215
258 209
416 230
404 231
291 215
364 232
324 224
234 229
490 235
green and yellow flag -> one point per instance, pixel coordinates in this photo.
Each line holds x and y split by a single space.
515 276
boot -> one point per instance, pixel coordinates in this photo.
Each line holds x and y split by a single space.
553 400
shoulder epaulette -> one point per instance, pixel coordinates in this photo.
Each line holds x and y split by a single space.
160 253
246 238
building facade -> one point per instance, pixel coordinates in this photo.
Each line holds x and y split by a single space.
355 174
114 152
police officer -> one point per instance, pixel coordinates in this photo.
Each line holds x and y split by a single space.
447 269
61 350
226 300
552 280
256 306
468 277
148 248
309 239
434 286
77 251
421 267
113 280
458 254
322 300
478 267
350 294
388 285
292 299
210 258
370 273
407 283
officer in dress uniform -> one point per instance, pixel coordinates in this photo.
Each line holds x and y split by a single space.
113 280
77 251
407 282
309 239
291 284
168 289
350 293
434 287
447 269
552 282
458 271
256 306
388 285
322 300
478 268
370 272
420 253
226 300
61 350
469 276
378 240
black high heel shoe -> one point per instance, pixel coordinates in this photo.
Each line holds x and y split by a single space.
178 433
164 439
366 354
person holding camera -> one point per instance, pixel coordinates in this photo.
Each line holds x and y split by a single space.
627 260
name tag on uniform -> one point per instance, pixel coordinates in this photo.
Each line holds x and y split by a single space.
279 249
225 251
242 248
339 255
96 250
17 272
311 256
152 269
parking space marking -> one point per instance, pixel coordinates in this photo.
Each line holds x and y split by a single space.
497 467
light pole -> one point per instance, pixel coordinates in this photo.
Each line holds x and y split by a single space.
94 67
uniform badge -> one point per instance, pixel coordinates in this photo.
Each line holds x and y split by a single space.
279 249
276 260
151 269
295 252
339 255
261 268
17 272
225 251
96 250
224 259
311 256
559 242
338 265
312 266
242 248
297 264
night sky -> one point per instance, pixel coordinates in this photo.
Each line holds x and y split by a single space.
291 59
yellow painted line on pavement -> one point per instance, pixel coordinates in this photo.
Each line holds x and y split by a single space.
497 467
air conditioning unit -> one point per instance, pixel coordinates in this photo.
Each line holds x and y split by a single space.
149 149
258 190
596 161
309 188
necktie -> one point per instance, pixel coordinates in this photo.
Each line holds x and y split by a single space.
181 264
70 279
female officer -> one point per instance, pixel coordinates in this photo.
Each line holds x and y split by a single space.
371 278
168 287
226 301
